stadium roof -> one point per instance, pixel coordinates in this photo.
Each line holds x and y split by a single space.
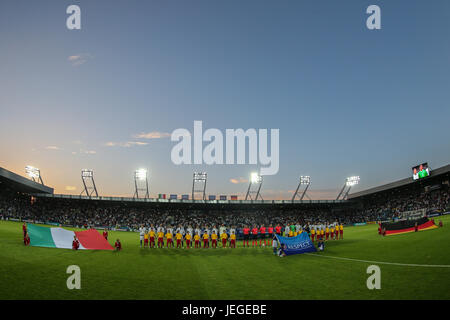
22 184
180 201
399 183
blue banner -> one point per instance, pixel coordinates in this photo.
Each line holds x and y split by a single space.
295 245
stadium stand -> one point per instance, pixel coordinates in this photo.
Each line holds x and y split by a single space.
382 204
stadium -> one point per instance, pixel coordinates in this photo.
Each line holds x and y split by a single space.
159 157
414 265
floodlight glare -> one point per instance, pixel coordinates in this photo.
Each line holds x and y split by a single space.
255 177
32 172
141 174
351 181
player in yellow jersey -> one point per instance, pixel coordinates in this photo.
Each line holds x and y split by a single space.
332 232
214 240
197 241
160 239
322 234
188 240
313 234
341 231
327 232
336 230
151 236
146 240
224 238
205 240
179 237
232 240
169 240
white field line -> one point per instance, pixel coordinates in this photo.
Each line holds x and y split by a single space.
382 262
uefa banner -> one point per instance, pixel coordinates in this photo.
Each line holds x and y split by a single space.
296 245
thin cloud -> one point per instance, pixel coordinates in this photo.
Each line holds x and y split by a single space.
152 135
79 59
88 151
127 144
52 148
238 180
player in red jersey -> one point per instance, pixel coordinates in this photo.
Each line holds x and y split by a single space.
105 234
75 243
24 229
26 240
262 235
254 236
246 231
278 230
270 235
118 245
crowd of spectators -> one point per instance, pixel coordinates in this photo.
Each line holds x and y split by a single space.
126 215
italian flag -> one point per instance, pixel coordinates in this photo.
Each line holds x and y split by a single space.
61 238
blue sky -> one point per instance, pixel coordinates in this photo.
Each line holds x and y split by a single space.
347 100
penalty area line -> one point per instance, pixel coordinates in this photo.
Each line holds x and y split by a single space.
382 262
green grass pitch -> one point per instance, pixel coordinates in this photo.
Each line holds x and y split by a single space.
242 273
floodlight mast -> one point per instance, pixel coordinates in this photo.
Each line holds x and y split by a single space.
304 180
139 177
255 178
87 176
349 182
34 174
199 184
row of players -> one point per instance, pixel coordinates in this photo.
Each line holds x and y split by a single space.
316 232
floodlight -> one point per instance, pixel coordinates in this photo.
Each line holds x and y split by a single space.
32 172
255 177
199 184
305 179
200 176
87 173
351 181
141 183
87 176
141 174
